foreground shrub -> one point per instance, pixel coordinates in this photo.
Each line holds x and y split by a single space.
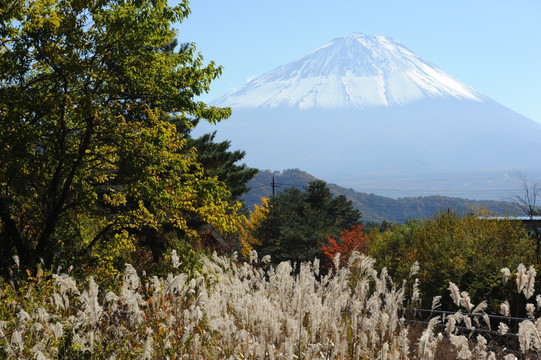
468 250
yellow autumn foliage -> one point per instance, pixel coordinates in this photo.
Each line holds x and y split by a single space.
250 224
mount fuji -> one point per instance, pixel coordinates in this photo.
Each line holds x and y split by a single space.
356 71
363 111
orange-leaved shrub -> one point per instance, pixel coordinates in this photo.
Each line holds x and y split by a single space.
350 241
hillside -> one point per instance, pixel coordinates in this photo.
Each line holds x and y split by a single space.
374 208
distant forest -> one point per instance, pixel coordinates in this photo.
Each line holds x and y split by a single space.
374 208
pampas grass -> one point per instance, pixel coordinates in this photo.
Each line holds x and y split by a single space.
231 310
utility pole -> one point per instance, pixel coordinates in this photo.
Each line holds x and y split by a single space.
274 185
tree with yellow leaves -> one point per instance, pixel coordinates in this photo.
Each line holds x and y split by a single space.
93 104
250 225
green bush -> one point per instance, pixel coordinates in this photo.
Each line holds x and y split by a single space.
468 250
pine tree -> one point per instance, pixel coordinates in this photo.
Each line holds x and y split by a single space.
219 161
299 222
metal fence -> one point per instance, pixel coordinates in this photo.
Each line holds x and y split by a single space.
499 343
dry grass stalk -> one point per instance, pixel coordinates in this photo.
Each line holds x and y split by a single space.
240 311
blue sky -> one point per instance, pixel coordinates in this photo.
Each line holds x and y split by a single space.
493 46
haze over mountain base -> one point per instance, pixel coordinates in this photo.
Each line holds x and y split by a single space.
375 208
363 111
449 147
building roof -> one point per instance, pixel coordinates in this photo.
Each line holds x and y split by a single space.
513 218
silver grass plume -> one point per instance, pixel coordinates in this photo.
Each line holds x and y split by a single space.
436 302
480 350
66 286
451 325
336 261
505 274
503 328
130 296
480 307
414 269
92 310
253 257
147 348
530 308
467 322
452 320
521 277
466 301
529 334
487 321
529 286
415 294
427 342
504 308
175 261
404 343
455 293
461 344
16 340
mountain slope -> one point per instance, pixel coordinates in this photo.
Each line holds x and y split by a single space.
374 208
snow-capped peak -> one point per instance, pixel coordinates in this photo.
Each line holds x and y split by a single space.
355 71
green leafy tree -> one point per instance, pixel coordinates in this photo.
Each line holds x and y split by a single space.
299 222
91 156
216 158
467 250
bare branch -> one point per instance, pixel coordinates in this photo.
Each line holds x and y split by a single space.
527 199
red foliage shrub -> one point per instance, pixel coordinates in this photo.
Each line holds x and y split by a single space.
350 240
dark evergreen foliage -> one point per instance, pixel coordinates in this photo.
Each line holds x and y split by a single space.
219 161
300 221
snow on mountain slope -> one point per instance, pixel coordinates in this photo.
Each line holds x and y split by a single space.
355 71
